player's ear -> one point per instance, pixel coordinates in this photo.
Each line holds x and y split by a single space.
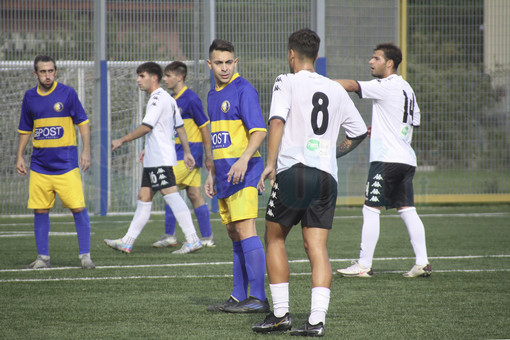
209 63
391 64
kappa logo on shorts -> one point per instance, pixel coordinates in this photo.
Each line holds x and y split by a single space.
273 194
270 213
271 203
163 182
162 176
374 199
377 184
375 192
378 177
160 170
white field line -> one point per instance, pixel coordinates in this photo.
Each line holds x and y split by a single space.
226 263
5 234
493 214
217 276
230 263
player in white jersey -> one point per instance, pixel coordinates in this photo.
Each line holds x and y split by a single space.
161 117
395 113
307 111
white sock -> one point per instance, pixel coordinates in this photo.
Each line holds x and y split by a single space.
369 235
280 296
182 215
416 234
320 304
142 214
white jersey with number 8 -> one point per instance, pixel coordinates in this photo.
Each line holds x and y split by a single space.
313 108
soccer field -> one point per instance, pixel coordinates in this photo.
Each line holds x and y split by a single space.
153 294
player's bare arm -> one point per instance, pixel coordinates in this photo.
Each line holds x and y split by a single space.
238 169
85 153
140 131
206 140
188 158
24 138
349 144
274 140
348 84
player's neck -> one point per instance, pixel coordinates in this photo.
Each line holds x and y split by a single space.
178 88
304 65
44 90
153 88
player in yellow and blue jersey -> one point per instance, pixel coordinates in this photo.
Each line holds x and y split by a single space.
50 112
237 131
196 124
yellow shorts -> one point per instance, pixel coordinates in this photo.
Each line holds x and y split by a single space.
242 205
185 178
68 186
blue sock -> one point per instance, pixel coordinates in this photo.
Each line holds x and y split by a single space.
240 289
255 260
204 220
42 233
170 221
82 223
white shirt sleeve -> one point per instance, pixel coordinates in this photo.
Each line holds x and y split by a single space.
373 89
177 117
353 124
153 112
282 97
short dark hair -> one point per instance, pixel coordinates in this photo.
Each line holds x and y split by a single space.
44 59
391 52
151 68
221 45
305 42
178 67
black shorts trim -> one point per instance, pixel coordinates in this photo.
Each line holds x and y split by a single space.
390 185
158 178
305 194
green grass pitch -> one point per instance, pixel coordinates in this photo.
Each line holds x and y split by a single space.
153 294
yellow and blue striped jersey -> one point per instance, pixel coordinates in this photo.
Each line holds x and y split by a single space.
51 118
235 113
192 113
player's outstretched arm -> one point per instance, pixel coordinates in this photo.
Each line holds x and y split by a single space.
348 84
140 131
24 138
85 153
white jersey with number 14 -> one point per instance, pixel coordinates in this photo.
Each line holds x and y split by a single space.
394 114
